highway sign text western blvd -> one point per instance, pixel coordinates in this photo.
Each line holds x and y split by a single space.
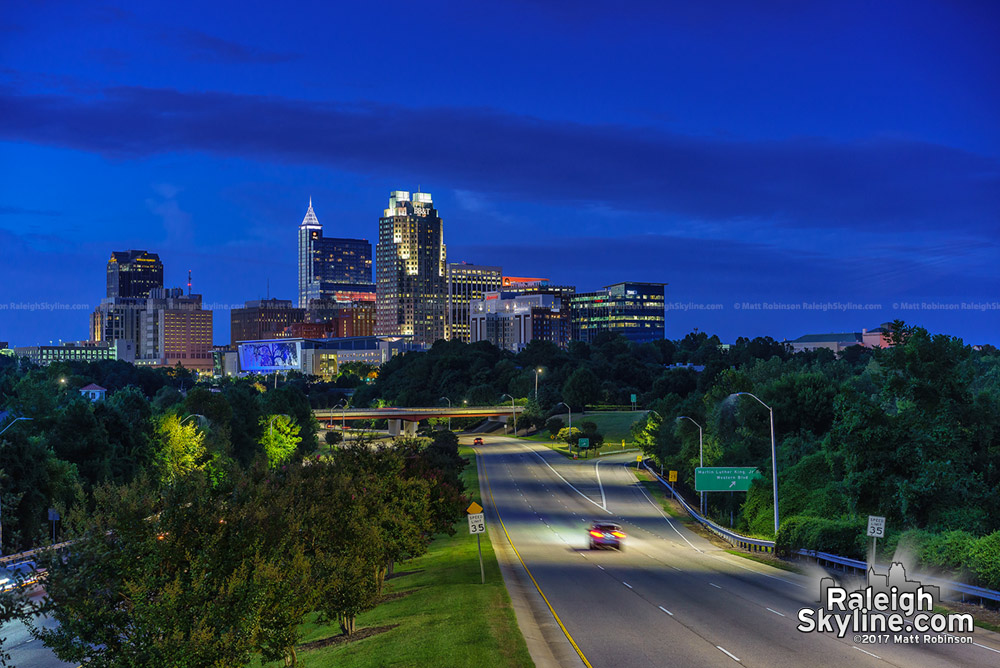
724 478
876 526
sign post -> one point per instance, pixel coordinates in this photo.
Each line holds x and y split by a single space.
876 529
633 401
582 443
672 478
638 458
477 525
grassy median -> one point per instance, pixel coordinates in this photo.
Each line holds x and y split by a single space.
443 616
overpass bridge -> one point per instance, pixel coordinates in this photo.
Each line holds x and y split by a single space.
404 420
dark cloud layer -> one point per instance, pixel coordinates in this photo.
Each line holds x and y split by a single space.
890 183
204 48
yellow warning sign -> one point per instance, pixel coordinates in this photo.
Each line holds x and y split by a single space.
474 508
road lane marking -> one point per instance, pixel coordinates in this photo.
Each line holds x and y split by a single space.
728 653
601 567
665 610
776 612
660 510
985 647
562 626
868 653
564 479
597 472
715 585
626 584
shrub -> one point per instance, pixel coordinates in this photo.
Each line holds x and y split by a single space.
984 560
948 551
842 537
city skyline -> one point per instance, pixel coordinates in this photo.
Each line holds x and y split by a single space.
746 157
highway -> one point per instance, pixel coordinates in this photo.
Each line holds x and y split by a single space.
671 598
25 651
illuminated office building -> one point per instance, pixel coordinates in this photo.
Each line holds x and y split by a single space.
411 282
332 268
634 310
133 273
262 319
467 283
511 321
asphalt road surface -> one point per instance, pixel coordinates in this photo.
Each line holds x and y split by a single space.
25 651
670 598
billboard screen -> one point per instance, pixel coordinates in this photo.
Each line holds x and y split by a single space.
271 356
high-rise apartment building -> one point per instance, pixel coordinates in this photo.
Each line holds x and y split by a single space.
262 319
344 319
133 273
332 268
634 310
411 280
467 283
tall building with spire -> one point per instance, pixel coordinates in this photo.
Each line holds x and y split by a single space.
332 269
411 270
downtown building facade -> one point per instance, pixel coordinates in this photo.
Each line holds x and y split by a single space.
467 283
411 272
146 323
511 321
262 319
634 310
78 351
331 268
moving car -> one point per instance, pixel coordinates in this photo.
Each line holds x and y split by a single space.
20 575
606 534
477 441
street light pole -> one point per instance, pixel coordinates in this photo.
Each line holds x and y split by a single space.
12 422
701 458
449 408
774 460
198 415
512 413
537 371
570 412
342 405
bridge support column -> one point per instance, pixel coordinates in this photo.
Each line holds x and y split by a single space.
410 428
394 427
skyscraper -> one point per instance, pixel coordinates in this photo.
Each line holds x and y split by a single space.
331 267
411 280
467 283
133 273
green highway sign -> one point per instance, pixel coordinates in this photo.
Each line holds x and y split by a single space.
724 478
583 443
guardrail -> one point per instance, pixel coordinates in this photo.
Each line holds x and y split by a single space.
747 543
823 558
26 556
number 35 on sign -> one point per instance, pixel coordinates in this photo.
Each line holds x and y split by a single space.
477 523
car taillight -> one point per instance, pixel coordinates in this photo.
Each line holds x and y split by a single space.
597 534
617 534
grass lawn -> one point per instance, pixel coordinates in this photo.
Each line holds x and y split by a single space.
445 618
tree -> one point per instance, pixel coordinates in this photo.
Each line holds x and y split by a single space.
181 448
582 388
332 438
279 438
554 425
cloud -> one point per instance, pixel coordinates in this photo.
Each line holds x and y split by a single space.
886 183
204 48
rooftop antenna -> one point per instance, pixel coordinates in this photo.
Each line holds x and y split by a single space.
269 278
189 282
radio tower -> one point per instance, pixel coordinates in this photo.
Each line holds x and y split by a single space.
189 282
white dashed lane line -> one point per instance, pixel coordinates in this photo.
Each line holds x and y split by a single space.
731 655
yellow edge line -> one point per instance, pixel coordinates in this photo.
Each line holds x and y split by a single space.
489 486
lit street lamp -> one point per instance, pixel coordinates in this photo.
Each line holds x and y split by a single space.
513 414
12 423
449 407
774 461
701 458
197 415
537 371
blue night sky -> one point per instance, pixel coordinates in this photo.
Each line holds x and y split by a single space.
742 152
